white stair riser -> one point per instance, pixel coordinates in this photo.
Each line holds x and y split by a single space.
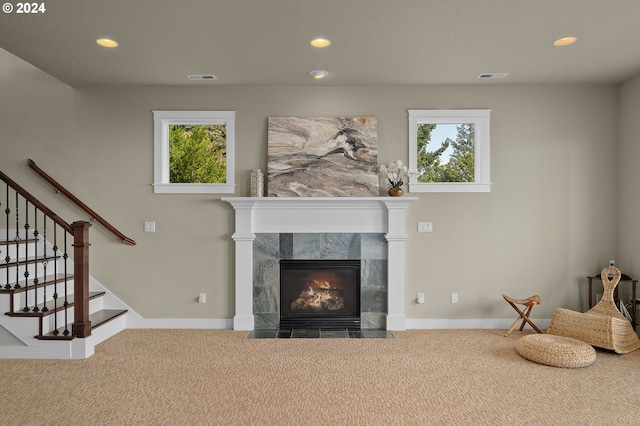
33 297
36 270
59 319
24 250
26 328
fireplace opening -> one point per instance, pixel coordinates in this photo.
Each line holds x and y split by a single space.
320 294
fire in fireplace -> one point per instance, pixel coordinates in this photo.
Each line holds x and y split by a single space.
320 294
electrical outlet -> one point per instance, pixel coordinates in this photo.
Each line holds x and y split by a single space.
425 226
454 297
420 298
149 227
202 298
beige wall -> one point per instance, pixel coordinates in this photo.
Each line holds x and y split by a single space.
549 220
628 198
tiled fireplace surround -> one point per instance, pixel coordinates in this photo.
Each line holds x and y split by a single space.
269 249
368 228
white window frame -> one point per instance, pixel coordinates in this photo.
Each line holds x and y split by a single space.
481 120
161 122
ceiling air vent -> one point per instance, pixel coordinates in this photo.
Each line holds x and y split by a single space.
200 77
493 75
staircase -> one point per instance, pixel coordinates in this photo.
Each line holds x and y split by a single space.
52 307
36 295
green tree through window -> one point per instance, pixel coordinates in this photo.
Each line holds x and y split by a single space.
449 160
197 153
450 150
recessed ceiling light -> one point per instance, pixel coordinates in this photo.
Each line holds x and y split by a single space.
564 41
318 74
106 42
320 42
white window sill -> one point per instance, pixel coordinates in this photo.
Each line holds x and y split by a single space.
193 188
449 187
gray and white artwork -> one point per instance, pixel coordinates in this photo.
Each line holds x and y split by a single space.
322 157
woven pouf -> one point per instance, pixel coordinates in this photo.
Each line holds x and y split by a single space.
557 351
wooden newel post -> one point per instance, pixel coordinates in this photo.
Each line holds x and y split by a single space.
81 326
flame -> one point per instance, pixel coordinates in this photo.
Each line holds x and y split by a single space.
318 296
325 285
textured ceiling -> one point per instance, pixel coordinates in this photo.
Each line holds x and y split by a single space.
374 42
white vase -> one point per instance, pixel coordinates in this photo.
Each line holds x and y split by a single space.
257 183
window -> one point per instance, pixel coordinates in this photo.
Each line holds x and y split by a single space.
194 151
450 150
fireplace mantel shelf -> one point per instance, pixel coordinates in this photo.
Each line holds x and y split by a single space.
310 202
318 215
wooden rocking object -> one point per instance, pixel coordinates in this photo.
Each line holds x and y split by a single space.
529 302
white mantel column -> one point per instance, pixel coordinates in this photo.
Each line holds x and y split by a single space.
396 237
244 236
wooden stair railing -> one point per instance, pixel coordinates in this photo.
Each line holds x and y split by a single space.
81 326
80 204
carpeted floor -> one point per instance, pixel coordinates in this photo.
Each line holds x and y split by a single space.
219 377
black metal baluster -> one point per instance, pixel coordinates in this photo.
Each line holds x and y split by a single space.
26 256
66 292
3 245
17 240
55 279
35 260
7 258
45 261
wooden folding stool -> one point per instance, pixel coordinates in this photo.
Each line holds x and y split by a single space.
529 302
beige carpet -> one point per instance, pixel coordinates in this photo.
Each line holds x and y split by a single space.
219 377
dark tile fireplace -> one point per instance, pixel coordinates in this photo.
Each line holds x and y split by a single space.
320 293
341 251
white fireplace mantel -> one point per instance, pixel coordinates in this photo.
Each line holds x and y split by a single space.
319 215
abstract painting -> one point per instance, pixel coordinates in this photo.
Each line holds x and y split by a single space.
322 157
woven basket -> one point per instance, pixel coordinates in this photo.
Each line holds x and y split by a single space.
602 331
602 326
556 351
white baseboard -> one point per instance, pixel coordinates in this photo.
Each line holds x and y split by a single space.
49 349
435 323
412 323
180 323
